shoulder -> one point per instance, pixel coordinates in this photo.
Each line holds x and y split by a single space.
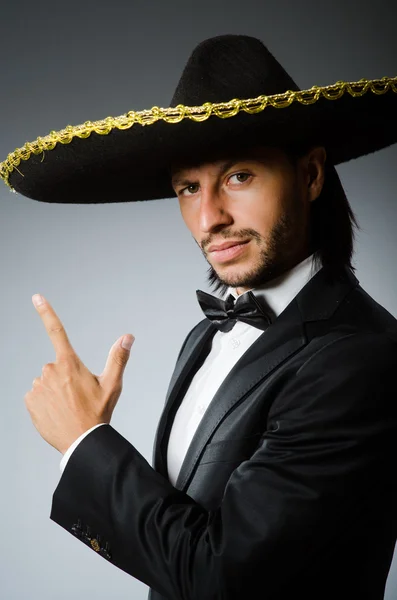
353 351
368 315
343 378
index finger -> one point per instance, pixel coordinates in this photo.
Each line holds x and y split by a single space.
54 327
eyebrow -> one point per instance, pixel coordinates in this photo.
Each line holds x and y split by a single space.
224 167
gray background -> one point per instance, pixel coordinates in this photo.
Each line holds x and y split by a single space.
114 269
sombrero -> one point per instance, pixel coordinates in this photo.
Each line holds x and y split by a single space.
232 94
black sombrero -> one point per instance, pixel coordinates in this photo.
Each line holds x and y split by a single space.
232 94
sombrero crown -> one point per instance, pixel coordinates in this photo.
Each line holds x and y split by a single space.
232 94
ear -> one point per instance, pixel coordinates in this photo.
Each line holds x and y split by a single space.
315 171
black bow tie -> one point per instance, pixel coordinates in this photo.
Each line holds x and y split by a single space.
225 313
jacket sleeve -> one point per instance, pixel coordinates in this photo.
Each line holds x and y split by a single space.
336 425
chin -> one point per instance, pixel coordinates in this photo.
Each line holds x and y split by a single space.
235 277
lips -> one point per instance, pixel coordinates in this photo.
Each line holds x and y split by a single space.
226 245
228 252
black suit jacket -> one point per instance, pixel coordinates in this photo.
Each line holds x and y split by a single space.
288 489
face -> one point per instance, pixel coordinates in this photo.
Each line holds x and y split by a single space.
250 215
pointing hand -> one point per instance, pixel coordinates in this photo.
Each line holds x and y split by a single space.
68 399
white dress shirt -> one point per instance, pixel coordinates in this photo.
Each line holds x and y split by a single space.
227 348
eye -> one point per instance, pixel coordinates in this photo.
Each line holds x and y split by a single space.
195 187
241 177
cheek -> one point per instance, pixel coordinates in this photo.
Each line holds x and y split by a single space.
259 215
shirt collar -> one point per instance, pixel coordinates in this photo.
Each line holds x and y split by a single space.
279 292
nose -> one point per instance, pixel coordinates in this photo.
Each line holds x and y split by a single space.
213 211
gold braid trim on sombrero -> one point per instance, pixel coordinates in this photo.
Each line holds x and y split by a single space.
222 110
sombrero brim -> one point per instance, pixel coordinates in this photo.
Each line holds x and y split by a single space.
128 158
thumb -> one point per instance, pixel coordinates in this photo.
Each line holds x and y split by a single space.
117 360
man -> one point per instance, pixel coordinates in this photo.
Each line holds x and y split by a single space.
274 459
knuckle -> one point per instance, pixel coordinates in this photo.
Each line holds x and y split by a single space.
120 360
68 362
67 378
57 329
47 369
63 360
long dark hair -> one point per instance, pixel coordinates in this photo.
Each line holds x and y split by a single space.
332 224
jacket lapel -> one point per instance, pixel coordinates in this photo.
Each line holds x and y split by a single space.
280 340
192 356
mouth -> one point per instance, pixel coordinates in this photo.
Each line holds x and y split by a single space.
225 245
228 252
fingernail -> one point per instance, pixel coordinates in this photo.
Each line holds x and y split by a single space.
37 299
127 342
